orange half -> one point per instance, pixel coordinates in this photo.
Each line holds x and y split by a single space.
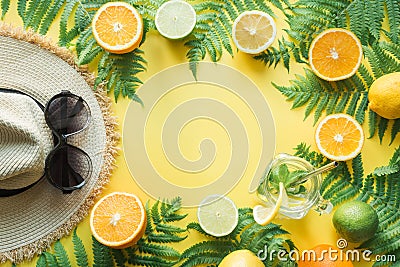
118 220
339 137
118 27
335 54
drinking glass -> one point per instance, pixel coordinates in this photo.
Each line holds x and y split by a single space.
298 204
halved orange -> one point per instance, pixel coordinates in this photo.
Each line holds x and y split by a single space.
339 137
118 27
118 220
335 54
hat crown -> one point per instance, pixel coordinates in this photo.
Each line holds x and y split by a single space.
25 141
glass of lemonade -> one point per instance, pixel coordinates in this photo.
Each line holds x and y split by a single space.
301 197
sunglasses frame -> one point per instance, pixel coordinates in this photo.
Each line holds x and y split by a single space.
62 141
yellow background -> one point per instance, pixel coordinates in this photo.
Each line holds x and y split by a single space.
291 130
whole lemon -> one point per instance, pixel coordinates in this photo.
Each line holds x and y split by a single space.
384 96
241 258
355 221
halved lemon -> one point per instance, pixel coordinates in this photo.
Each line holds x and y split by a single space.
339 137
175 19
253 31
264 215
118 27
217 215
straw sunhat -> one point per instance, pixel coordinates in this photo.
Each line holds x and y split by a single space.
30 221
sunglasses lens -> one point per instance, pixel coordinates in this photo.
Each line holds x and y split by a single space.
67 114
68 167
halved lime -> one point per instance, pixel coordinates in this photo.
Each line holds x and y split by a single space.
175 19
217 215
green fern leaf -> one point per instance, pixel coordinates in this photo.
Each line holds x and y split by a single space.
393 11
358 172
119 257
197 227
386 170
30 12
61 255
169 229
362 108
138 260
382 127
158 250
155 214
208 246
395 130
5 5
50 16
165 238
66 36
101 254
21 8
40 11
206 259
41 261
79 251
372 123
51 259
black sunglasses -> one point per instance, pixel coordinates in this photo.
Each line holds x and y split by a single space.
67 167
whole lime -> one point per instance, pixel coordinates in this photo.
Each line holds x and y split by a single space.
241 258
355 221
384 96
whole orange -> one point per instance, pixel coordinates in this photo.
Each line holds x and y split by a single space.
324 256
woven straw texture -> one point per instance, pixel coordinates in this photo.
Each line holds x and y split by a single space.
31 221
25 141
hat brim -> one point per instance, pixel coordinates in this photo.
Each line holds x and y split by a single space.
32 220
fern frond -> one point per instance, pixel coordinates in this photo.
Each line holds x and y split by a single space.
66 36
139 260
165 238
395 130
195 226
158 250
61 255
101 254
41 261
5 5
213 258
50 16
208 246
79 251
30 12
393 11
119 257
21 7
383 126
51 259
386 170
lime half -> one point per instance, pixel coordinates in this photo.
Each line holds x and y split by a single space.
217 215
175 19
264 215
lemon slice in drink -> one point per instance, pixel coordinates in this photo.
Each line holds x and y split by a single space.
264 215
217 215
253 31
175 19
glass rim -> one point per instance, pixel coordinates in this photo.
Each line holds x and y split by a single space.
312 196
